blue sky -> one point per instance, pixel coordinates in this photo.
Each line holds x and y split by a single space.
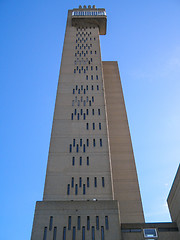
144 37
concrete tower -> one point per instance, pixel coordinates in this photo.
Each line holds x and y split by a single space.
91 185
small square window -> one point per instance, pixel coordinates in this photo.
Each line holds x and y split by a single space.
150 233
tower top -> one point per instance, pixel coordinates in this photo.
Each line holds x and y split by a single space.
90 16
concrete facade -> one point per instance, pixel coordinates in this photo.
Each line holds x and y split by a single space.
91 189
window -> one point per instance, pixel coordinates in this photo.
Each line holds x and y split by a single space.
74 70
86 67
72 182
64 233
95 52
78 116
78 91
100 141
71 116
69 223
86 77
87 98
74 233
150 232
79 223
84 189
81 142
73 161
80 161
97 87
74 142
97 222
106 222
87 161
83 233
88 222
103 182
91 77
95 182
68 189
84 148
87 111
87 142
96 77
70 148
77 148
54 233
50 223
75 111
96 68
80 182
87 181
84 91
90 103
93 233
84 103
86 87
81 98
87 126
92 87
45 233
93 126
92 111
76 189
90 52
91 68
99 126
102 233
92 99
73 91
84 116
94 142
99 112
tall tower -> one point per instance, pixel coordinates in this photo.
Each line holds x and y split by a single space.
91 182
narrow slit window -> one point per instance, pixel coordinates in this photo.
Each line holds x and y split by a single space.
84 91
96 68
87 112
92 99
76 189
95 52
75 69
73 161
92 111
80 182
87 181
87 161
99 112
84 103
50 223
106 222
84 148
87 141
79 223
68 189
87 87
45 233
74 233
91 68
80 161
86 77
71 116
87 126
96 77
77 148
64 233
102 233
88 222
93 126
103 184
92 87
69 223
72 182
78 91
73 91
94 142
74 141
90 103
91 77
84 189
84 116
100 142
81 142
97 222
93 233
75 111
54 233
97 87
83 233
72 102
95 182
78 116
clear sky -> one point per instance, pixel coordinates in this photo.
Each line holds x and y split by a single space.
144 37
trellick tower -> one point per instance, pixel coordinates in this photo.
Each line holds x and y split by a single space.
91 182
